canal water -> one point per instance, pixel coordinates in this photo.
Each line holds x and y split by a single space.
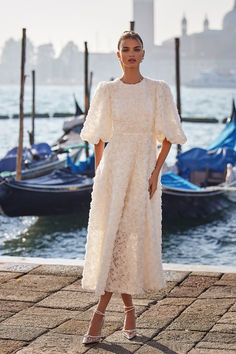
212 241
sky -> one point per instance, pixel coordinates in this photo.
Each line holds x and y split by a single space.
100 22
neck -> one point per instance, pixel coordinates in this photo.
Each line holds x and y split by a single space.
131 76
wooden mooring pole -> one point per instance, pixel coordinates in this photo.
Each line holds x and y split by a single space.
132 23
21 117
33 108
90 86
177 78
86 89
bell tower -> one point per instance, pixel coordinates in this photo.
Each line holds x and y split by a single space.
143 15
184 25
206 24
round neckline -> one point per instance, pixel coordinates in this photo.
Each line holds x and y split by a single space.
137 83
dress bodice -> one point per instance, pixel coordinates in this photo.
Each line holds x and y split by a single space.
143 108
132 107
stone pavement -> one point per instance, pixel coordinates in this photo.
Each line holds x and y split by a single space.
44 310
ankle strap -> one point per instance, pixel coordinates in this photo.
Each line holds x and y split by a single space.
99 312
129 308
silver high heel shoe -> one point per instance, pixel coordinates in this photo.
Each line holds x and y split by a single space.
88 339
129 333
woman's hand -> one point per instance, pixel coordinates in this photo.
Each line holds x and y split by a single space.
165 148
98 151
153 183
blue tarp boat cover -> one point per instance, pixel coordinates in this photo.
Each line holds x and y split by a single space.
227 138
197 159
82 166
60 177
41 149
171 180
8 162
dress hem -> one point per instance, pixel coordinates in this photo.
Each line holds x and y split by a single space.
132 293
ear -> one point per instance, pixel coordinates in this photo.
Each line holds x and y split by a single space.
118 54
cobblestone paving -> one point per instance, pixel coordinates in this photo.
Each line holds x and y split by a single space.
43 309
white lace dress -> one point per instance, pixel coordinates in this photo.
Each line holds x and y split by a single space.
123 250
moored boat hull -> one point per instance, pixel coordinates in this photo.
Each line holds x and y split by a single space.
18 200
189 205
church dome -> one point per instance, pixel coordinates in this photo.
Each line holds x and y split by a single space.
229 20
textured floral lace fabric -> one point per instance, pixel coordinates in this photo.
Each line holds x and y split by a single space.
123 250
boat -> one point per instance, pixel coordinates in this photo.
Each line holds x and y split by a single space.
42 158
37 163
60 192
74 123
202 181
228 136
63 191
68 190
182 202
214 79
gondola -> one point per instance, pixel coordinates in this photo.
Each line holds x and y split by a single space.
187 202
60 192
204 180
68 190
42 158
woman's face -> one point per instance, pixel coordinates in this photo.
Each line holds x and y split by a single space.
131 52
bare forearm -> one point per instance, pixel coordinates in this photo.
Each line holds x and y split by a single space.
165 148
99 148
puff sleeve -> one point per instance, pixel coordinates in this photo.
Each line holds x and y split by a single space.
167 119
98 123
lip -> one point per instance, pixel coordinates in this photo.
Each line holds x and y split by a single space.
132 60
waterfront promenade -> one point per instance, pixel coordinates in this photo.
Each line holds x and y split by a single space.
44 310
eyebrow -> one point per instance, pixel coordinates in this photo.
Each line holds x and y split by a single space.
137 46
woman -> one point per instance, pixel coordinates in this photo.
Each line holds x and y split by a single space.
123 251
